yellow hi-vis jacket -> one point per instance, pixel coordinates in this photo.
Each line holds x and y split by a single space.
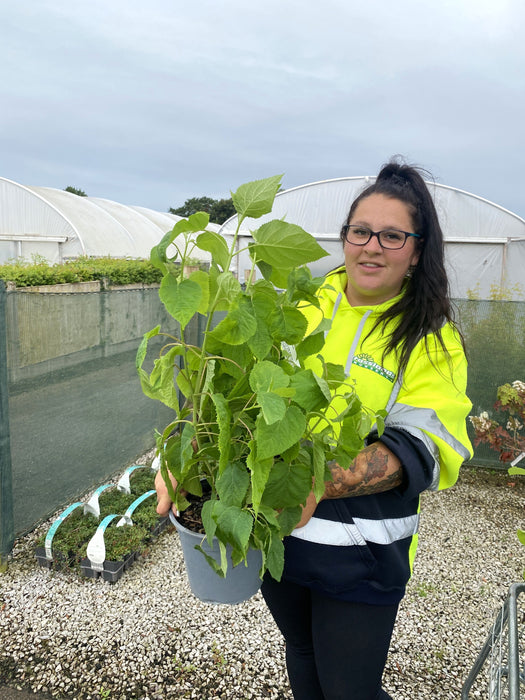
362 548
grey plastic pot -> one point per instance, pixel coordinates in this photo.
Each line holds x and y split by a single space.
241 582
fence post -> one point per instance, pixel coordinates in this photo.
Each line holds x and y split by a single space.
7 537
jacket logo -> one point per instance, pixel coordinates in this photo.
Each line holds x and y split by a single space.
368 362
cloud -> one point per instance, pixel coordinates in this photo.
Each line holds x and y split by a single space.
153 103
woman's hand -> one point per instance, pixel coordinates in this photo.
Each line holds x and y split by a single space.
308 510
164 502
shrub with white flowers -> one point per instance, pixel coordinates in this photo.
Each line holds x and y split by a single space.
506 437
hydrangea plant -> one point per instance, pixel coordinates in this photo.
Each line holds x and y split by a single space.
506 437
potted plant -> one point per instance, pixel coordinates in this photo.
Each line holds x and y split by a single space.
249 420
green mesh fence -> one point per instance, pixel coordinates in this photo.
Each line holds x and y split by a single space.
72 411
77 413
494 333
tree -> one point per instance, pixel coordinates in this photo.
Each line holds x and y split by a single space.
218 209
74 190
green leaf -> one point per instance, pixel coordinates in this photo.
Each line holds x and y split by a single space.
209 523
266 376
161 385
285 246
197 222
260 471
288 519
181 299
521 536
143 347
275 556
224 422
256 198
311 345
278 437
233 484
238 326
310 393
221 568
203 280
273 407
287 485
234 525
350 438
215 244
288 324
319 464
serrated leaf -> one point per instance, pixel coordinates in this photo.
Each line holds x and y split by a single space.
254 199
143 347
219 568
285 246
288 325
275 556
260 471
238 326
203 280
235 526
266 376
288 519
319 464
181 298
224 422
215 244
273 407
278 437
309 393
232 484
210 526
287 485
311 345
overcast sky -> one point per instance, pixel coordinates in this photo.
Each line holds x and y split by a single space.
149 103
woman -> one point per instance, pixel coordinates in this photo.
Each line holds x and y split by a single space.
348 562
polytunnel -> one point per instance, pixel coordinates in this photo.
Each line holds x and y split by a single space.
60 226
484 243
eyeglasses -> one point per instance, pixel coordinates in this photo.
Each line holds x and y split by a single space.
391 239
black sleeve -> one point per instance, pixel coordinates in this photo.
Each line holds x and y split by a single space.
417 462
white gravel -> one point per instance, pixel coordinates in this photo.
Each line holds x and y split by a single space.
147 638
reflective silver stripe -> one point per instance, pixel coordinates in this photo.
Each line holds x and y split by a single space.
388 531
426 419
404 416
362 531
355 342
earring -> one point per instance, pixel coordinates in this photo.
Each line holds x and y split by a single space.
410 271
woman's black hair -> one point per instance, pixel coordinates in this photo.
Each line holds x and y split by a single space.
425 306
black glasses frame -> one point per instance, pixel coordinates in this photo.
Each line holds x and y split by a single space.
371 233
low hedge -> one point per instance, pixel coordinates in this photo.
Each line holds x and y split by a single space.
85 269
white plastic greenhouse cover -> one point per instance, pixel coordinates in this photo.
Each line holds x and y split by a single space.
484 243
59 225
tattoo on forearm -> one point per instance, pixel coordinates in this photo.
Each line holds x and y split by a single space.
373 474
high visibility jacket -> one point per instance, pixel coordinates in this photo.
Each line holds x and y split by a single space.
362 548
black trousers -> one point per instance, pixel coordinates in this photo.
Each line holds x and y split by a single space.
335 650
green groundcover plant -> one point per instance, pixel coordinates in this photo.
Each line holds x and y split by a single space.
505 437
254 422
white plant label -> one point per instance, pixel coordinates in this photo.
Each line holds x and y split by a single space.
51 532
92 506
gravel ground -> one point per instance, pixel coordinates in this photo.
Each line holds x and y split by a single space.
147 638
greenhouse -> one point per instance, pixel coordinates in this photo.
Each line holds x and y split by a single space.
59 225
485 243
